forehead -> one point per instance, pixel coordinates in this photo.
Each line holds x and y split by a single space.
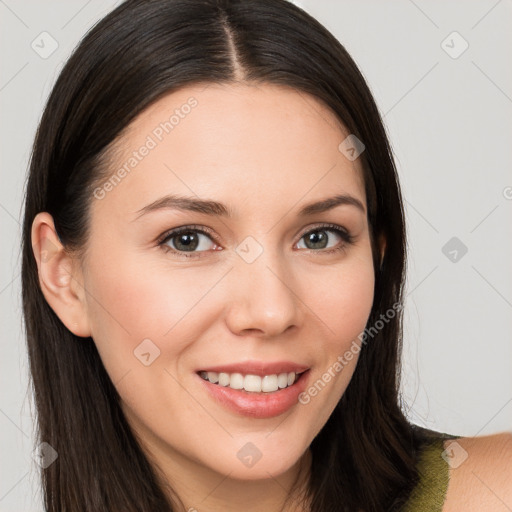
214 140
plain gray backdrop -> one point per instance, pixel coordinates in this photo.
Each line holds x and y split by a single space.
441 77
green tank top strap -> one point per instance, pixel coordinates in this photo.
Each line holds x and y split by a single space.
430 493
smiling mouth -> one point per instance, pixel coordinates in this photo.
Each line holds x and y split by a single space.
253 383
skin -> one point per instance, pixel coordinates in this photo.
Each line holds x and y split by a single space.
265 152
483 481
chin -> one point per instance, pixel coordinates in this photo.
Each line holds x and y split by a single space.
261 470
252 463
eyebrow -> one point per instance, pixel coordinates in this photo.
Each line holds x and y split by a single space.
214 208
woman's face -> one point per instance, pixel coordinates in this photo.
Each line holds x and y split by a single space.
261 292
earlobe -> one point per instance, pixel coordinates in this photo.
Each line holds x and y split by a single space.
59 279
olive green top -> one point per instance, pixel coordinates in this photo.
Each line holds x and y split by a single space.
430 493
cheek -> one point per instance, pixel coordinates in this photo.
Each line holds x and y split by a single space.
342 308
343 303
130 301
354 306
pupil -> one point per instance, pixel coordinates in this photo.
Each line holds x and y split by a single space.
318 239
188 241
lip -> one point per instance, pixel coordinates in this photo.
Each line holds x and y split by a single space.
256 405
260 368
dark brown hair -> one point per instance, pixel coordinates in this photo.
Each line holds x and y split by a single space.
364 458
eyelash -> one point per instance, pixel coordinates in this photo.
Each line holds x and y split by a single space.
163 239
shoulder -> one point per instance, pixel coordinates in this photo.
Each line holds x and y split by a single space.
480 473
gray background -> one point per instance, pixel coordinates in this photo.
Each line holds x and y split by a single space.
450 125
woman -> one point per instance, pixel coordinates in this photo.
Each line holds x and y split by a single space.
213 262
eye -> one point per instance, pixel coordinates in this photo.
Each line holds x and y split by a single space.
187 239
318 238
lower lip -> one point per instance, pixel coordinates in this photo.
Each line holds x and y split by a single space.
258 405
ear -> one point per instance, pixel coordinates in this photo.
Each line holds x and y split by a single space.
60 277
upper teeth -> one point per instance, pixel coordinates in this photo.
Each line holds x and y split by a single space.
253 383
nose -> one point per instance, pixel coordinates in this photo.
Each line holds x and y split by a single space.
263 297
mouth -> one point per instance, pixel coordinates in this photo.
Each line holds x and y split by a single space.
257 396
252 383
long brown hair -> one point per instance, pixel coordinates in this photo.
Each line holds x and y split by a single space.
364 458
